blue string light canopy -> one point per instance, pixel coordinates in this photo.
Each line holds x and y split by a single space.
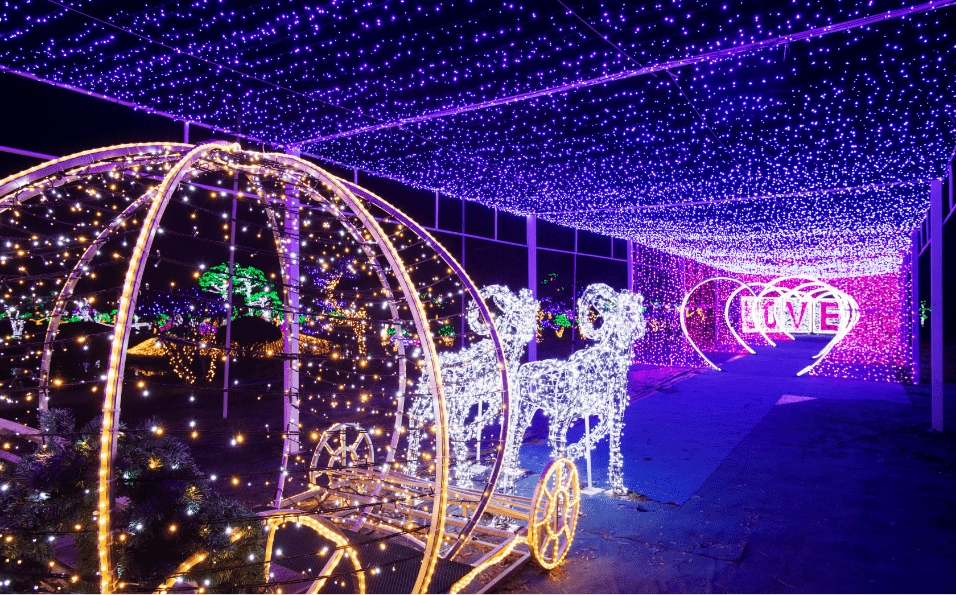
728 130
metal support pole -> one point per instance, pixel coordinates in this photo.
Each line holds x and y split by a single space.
464 318
574 291
952 189
533 277
290 376
914 302
186 132
936 307
436 209
289 258
630 265
587 446
590 490
479 466
232 264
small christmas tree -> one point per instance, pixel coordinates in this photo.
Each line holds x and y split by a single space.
166 512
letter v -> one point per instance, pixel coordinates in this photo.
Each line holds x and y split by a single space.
793 316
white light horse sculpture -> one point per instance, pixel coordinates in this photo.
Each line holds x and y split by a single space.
470 379
592 381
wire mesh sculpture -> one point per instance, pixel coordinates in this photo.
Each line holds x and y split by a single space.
593 381
471 379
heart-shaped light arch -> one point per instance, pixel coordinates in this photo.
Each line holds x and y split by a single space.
812 288
818 290
683 316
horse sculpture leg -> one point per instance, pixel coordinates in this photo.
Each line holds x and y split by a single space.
558 436
463 467
521 421
616 466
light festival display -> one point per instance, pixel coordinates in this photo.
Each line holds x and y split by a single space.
810 306
694 310
91 236
249 282
879 346
748 141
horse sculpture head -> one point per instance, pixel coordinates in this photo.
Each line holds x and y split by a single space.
621 315
517 322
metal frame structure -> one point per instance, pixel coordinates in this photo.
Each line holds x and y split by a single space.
541 527
930 235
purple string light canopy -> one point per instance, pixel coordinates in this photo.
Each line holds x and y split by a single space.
758 138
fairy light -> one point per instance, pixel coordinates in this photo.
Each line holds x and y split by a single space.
683 315
498 556
113 389
875 344
695 309
816 143
778 312
327 530
551 531
180 571
249 282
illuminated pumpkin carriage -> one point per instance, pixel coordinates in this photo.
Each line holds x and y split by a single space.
354 514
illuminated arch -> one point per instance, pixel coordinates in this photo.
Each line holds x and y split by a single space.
21 186
353 192
683 317
179 162
814 288
275 519
846 303
113 390
727 313
64 297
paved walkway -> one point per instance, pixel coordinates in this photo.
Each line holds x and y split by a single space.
675 438
749 490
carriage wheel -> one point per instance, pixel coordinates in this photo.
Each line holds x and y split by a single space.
554 513
342 445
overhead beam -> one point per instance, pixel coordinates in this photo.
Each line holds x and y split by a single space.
936 304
